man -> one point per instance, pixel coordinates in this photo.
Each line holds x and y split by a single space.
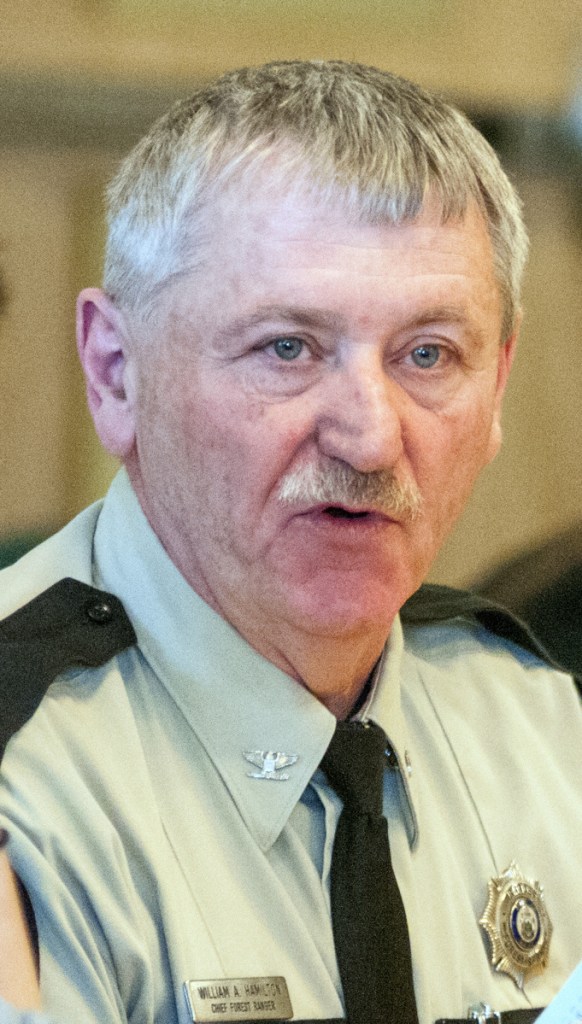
309 315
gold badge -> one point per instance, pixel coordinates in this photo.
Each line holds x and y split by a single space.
517 924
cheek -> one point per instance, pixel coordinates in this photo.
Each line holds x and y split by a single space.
455 452
230 452
256 436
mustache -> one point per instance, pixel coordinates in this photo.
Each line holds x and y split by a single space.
338 483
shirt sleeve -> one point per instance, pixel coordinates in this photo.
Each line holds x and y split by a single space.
10 1015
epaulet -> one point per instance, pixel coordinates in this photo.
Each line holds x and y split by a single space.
434 603
70 624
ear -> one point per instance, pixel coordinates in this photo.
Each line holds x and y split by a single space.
504 364
102 343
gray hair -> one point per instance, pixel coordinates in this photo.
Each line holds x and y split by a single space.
376 142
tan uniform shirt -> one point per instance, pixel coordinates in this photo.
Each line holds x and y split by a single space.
154 856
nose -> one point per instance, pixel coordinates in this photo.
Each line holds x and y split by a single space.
361 416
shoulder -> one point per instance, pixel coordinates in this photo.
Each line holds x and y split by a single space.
69 624
434 605
67 553
52 618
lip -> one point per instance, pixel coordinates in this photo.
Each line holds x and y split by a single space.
356 517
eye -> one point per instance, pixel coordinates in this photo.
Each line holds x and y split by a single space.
288 347
426 356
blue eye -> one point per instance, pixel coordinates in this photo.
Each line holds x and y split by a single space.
288 348
426 356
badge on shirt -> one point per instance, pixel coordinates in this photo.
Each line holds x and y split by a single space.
517 924
234 999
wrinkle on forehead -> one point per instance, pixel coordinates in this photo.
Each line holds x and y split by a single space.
272 240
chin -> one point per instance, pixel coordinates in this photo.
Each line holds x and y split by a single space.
343 612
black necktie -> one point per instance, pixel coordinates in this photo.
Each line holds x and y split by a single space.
369 923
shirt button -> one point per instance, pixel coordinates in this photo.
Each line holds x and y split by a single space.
391 758
100 611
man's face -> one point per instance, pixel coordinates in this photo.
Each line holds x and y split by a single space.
307 340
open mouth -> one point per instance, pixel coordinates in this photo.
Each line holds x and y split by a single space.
343 513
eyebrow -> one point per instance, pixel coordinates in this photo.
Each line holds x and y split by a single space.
290 314
335 322
448 314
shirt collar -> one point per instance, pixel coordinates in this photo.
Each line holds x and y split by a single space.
384 707
235 701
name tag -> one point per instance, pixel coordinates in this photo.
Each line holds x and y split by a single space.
234 999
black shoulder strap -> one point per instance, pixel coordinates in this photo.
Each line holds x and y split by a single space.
434 603
69 624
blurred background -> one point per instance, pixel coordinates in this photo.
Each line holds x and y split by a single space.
80 80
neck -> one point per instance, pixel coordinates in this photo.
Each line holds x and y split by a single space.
334 669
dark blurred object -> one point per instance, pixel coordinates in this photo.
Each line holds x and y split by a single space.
3 294
12 548
543 587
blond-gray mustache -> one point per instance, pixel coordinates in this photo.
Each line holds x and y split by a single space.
338 483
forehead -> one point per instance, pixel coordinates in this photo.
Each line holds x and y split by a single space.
266 204
267 244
